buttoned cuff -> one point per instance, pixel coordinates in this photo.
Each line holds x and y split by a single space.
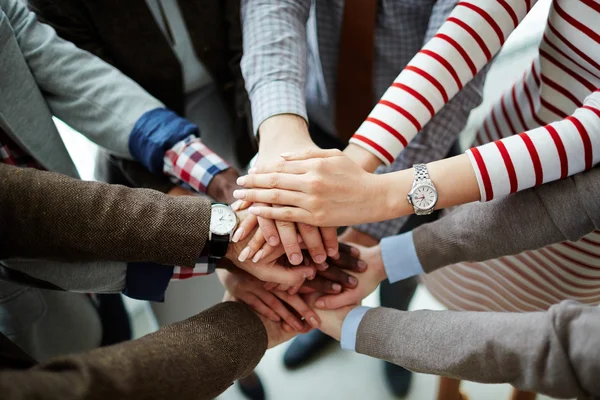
154 133
191 162
277 98
400 258
350 327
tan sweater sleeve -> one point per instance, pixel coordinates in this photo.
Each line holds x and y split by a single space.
555 352
552 213
51 216
194 359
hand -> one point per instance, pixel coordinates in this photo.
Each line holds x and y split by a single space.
367 283
331 320
269 269
323 188
222 185
279 134
276 334
249 290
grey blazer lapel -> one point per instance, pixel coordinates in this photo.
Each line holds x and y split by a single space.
24 113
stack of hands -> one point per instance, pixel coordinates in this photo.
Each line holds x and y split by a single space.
295 275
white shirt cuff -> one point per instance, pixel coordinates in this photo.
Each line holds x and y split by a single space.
400 257
350 327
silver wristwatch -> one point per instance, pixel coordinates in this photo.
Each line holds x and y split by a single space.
423 196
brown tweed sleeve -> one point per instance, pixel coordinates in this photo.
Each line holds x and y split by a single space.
51 216
194 359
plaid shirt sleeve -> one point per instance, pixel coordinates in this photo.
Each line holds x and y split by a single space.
192 163
275 57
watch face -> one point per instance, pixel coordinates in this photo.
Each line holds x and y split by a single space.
424 197
222 220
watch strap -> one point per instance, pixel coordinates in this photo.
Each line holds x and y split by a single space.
421 173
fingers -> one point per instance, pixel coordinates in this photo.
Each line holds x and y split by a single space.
348 259
246 226
298 304
311 236
321 285
253 248
333 302
311 153
272 196
282 167
330 240
240 205
289 240
292 214
268 228
287 315
257 305
335 274
274 181
294 276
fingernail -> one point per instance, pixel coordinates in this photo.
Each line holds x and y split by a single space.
239 194
296 259
313 322
354 251
297 325
236 205
252 170
330 252
272 239
286 328
293 291
362 264
257 256
244 254
241 181
237 235
320 304
320 259
336 287
251 210
287 155
323 266
352 280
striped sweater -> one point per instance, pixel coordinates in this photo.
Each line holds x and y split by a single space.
546 128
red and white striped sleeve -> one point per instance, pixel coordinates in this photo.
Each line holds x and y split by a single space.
541 155
466 42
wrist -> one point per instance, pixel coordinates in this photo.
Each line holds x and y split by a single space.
222 185
367 160
376 262
279 130
392 194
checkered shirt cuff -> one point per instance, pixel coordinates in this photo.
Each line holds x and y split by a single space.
191 162
277 98
204 266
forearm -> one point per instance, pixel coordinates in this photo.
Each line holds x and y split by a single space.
187 360
531 219
545 352
46 215
275 57
453 178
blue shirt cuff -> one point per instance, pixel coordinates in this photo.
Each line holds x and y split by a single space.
350 327
147 281
156 132
400 257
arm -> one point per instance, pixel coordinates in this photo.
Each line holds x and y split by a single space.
187 360
71 20
144 218
555 352
552 213
463 46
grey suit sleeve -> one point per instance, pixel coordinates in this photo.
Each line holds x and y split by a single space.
531 219
90 277
555 352
275 57
80 89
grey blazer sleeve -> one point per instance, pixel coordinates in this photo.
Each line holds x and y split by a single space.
555 352
562 210
80 89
